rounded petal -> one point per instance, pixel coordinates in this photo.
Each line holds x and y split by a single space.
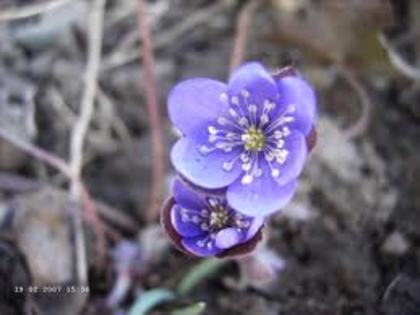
182 223
294 90
209 248
228 237
256 224
195 104
261 197
204 170
253 78
186 197
244 248
295 160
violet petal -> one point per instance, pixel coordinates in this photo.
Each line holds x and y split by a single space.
228 238
192 245
260 198
186 197
182 221
203 169
256 224
195 104
296 91
295 144
253 78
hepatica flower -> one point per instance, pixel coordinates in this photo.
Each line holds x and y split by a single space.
203 224
248 136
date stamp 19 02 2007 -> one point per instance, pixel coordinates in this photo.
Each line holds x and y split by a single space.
52 289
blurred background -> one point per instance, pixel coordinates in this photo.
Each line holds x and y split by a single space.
81 182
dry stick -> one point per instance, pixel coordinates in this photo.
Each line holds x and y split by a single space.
324 56
398 62
79 131
61 165
31 10
158 170
360 126
241 34
78 136
200 17
37 153
18 183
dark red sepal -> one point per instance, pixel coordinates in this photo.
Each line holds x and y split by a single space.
311 139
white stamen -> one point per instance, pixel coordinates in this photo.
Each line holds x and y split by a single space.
291 108
264 119
280 143
212 130
245 93
213 202
223 97
223 145
246 166
230 136
222 121
258 172
281 156
244 157
204 226
275 172
234 100
252 108
213 138
278 134
269 156
243 121
205 150
227 166
268 105
247 179
233 113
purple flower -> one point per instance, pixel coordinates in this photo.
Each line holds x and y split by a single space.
205 225
248 136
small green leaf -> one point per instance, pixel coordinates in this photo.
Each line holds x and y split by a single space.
149 299
198 273
195 309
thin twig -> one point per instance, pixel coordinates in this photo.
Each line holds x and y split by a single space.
398 62
92 215
31 10
360 126
77 139
90 78
38 153
158 170
242 28
18 183
200 17
102 139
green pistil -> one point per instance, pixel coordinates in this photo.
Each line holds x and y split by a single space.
219 217
254 139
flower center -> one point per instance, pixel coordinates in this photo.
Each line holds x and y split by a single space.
219 217
254 139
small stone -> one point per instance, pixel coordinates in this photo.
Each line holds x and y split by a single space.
395 244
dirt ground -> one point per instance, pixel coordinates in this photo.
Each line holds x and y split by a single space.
350 238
